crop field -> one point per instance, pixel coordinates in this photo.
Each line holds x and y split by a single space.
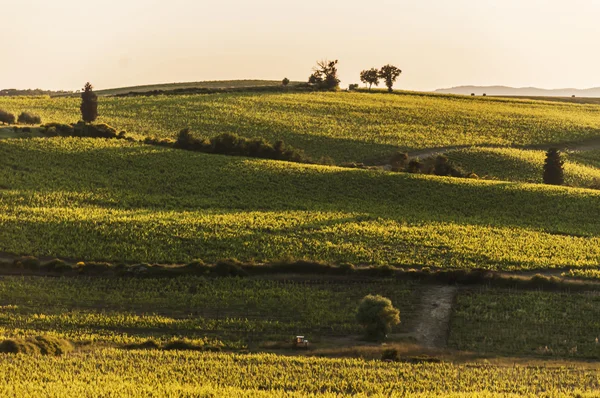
177 373
341 126
513 322
231 311
509 164
94 199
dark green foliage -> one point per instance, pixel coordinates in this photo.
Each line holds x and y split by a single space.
553 168
89 104
28 262
414 166
377 315
352 87
6 117
232 144
285 82
398 161
325 75
94 130
29 118
389 73
58 129
146 345
57 265
229 268
370 77
44 345
444 167
390 354
182 345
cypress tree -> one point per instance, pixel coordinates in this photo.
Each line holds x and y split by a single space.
89 104
553 168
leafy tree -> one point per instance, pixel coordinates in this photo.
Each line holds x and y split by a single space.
389 74
89 104
325 75
7 117
398 161
377 315
370 77
28 118
553 168
285 81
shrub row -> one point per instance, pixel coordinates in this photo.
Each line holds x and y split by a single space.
439 165
24 118
232 144
81 129
40 345
180 345
234 268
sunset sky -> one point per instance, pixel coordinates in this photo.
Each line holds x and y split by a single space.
61 44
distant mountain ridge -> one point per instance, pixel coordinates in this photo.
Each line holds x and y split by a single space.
521 91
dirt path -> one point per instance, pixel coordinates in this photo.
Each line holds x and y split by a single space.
436 308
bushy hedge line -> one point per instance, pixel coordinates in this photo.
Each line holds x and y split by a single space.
233 144
234 268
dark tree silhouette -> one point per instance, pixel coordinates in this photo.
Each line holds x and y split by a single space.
553 168
325 75
285 81
89 104
389 74
370 77
6 117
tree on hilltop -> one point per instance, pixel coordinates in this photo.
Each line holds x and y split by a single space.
370 77
325 75
285 81
389 73
553 168
89 104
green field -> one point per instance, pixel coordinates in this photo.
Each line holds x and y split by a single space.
513 322
509 164
235 312
342 126
101 315
95 199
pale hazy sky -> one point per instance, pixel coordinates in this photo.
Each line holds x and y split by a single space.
61 44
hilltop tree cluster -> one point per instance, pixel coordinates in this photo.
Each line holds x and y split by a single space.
387 73
325 75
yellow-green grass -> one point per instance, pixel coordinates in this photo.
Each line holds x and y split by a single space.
513 322
510 164
96 199
343 126
112 372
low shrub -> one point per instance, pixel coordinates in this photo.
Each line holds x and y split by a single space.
229 268
6 117
27 262
29 118
57 265
44 345
182 345
146 345
390 354
57 129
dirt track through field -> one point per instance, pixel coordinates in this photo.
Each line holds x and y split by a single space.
436 308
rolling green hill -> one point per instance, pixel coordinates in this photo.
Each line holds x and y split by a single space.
97 199
342 126
520 165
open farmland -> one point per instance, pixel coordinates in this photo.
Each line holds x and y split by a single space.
342 126
96 199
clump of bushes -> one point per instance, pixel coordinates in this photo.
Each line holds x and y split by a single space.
29 118
440 166
40 345
377 315
233 144
6 117
27 262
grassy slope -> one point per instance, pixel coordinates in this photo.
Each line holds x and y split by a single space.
203 84
97 199
508 164
343 126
